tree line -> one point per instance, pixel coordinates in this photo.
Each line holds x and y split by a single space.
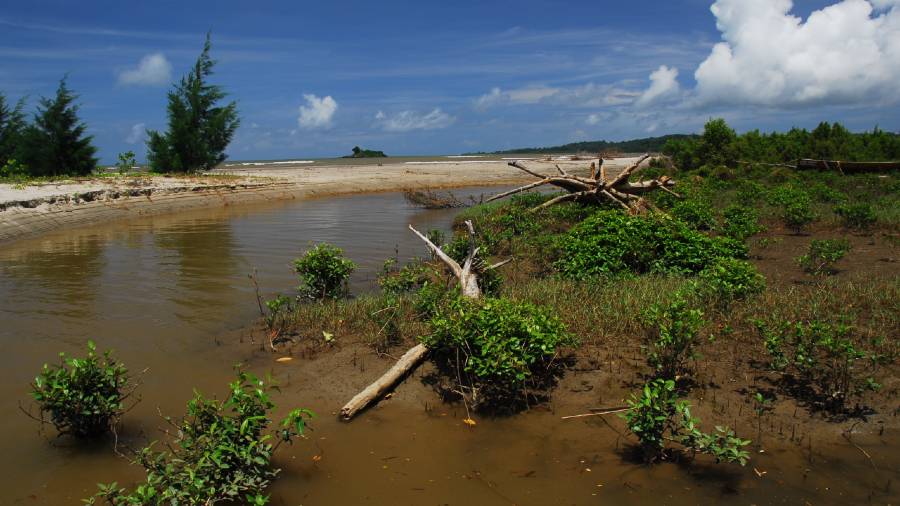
56 143
719 146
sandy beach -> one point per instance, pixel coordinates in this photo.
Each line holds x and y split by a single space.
27 211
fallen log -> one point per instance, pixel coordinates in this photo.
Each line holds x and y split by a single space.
409 361
467 276
596 188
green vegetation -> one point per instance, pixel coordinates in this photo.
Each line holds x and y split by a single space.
497 344
126 162
12 127
82 397
613 242
719 145
858 216
366 153
55 143
823 359
222 451
324 272
656 416
647 145
199 129
673 333
822 255
729 279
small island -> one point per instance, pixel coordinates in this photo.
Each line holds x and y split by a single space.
365 153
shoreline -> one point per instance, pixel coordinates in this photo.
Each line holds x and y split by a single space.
27 212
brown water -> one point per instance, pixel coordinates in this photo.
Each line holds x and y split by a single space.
171 294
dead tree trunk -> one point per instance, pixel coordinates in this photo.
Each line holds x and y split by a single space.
596 188
467 275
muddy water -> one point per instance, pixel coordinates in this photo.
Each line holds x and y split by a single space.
171 295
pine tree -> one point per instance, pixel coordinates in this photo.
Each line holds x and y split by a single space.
199 131
56 144
12 127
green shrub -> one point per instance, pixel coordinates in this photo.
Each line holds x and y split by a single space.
496 343
82 396
656 416
612 242
825 359
13 170
221 451
797 212
126 162
729 279
858 216
695 211
279 308
409 278
324 272
740 223
822 255
672 335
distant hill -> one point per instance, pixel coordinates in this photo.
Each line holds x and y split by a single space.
649 144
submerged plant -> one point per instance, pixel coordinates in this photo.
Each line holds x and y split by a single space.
82 397
324 272
221 452
657 417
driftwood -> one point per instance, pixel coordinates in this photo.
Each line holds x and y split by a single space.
847 167
431 200
596 188
467 275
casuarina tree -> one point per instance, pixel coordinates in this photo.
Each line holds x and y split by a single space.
56 144
12 126
199 128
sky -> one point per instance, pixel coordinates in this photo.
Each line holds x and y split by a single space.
314 79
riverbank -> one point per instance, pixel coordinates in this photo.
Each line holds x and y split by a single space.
30 210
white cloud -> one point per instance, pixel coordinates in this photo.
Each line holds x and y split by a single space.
152 70
594 119
663 83
405 121
317 113
137 134
842 54
587 95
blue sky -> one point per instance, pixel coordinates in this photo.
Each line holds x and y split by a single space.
313 79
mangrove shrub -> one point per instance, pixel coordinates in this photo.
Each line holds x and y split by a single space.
324 272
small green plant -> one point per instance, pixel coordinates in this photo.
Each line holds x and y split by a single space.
672 335
126 162
278 309
823 254
657 417
825 359
729 279
741 222
324 272
82 397
222 451
797 214
858 216
496 344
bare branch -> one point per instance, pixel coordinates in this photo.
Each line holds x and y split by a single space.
451 263
518 190
519 166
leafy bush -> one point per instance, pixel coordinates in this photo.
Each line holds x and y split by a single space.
394 281
859 216
126 162
324 272
221 451
798 213
672 335
657 416
740 223
612 242
13 170
822 255
278 308
729 279
497 343
825 359
695 211
82 396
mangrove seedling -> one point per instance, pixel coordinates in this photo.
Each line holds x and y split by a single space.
822 255
657 417
324 272
672 334
221 451
82 397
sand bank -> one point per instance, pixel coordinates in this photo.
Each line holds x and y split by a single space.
35 209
